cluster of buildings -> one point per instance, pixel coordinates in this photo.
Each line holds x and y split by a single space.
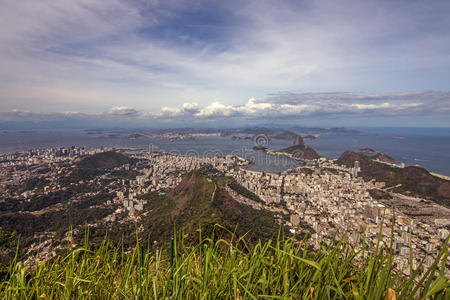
47 164
49 155
162 172
331 199
321 198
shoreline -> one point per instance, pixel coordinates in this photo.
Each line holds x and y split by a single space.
270 152
445 177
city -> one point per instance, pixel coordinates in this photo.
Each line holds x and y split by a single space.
321 199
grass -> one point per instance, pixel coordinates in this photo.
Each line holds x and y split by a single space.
215 268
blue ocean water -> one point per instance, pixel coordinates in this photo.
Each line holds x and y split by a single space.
426 147
16 141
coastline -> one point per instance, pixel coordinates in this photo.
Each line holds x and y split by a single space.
440 176
330 146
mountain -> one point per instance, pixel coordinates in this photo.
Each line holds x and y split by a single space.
381 156
384 157
281 134
253 132
349 157
299 141
104 160
415 181
94 165
201 200
300 150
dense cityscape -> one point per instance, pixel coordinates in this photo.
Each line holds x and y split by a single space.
319 199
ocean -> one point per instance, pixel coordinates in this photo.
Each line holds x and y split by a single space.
425 147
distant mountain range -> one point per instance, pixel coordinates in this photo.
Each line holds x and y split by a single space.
273 132
289 133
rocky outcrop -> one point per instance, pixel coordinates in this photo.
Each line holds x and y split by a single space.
300 150
299 141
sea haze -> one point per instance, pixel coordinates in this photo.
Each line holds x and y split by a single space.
425 147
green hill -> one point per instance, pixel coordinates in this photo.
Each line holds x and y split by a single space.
414 180
104 160
200 200
95 165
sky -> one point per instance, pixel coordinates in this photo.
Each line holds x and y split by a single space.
208 63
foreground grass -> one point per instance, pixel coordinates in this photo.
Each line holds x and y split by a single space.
223 269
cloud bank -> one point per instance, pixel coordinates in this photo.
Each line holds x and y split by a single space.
291 105
277 107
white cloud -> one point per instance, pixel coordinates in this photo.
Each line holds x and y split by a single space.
28 116
216 109
283 107
254 108
191 106
123 111
296 109
370 106
169 112
320 104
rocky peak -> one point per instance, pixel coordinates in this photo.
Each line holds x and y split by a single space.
299 141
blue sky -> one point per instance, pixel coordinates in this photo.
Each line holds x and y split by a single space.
202 62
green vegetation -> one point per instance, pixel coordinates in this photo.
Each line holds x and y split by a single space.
216 268
95 165
55 219
78 174
8 246
384 157
200 200
37 202
104 160
414 181
33 183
